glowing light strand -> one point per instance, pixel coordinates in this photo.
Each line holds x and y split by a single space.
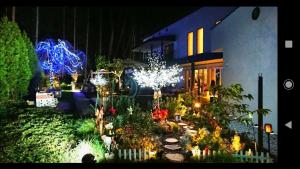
98 80
59 57
157 75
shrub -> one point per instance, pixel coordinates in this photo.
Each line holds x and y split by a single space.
220 158
92 146
38 135
87 127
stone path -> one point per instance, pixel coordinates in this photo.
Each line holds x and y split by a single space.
172 149
76 103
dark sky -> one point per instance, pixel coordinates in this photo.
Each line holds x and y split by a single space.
124 22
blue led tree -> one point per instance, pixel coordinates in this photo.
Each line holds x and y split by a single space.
59 57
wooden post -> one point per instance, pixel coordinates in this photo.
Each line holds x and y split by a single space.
145 154
198 154
129 154
241 155
268 158
125 154
256 157
120 153
134 154
140 155
262 157
204 154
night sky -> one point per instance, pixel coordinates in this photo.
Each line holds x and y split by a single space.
129 25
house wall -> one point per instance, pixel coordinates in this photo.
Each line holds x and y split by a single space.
205 17
250 47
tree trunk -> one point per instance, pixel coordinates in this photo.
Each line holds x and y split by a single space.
13 15
111 36
100 33
74 28
37 26
64 23
120 40
87 43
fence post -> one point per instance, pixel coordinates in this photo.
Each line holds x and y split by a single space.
268 158
140 154
257 157
208 153
145 154
125 154
129 154
262 157
134 154
204 154
120 153
214 152
198 154
241 154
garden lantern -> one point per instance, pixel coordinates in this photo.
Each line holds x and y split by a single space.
268 130
197 106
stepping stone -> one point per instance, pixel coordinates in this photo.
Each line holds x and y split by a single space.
172 147
175 157
191 132
182 124
171 140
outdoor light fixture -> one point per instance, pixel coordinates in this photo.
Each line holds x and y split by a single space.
197 105
268 130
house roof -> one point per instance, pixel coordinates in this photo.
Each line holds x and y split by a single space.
154 42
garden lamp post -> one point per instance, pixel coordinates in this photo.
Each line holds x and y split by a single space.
268 130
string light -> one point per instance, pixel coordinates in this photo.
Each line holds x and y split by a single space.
157 75
57 57
98 80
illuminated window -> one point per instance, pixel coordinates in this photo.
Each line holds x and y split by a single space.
200 41
190 43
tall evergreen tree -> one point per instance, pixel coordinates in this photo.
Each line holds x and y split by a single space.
33 60
14 61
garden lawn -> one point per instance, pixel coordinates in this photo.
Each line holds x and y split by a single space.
46 135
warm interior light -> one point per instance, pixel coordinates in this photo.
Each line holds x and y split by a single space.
200 41
268 128
190 43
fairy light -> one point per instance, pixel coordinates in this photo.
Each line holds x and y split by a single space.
59 56
157 75
98 80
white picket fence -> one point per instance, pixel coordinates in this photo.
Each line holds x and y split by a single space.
257 158
242 156
143 154
135 155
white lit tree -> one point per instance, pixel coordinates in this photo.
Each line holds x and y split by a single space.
157 75
99 81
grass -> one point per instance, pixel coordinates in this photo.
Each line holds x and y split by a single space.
43 135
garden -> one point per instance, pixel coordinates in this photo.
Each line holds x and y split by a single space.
177 127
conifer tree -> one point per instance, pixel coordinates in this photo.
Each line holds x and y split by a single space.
15 71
